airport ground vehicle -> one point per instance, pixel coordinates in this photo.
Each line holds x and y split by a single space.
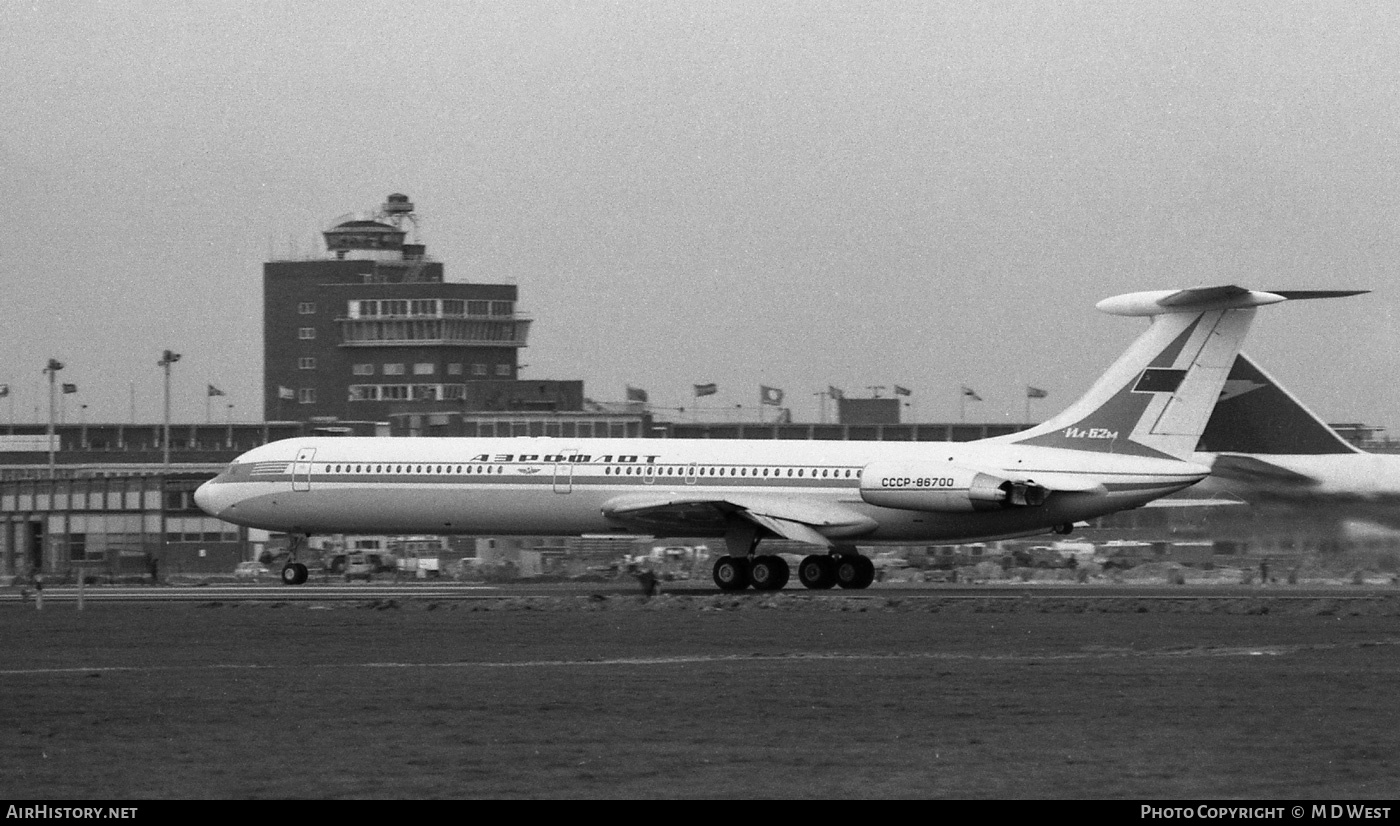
380 562
364 565
249 570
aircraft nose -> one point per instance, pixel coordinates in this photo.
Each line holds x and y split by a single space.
212 497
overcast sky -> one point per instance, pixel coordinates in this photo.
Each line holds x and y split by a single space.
799 195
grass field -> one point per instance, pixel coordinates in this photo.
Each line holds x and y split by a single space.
684 697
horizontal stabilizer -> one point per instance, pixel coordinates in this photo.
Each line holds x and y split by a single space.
1302 295
1202 299
1174 502
1252 469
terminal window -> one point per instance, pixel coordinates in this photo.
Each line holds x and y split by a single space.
306 332
393 369
424 368
307 308
363 369
503 369
306 363
306 395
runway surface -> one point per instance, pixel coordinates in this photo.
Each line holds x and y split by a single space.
453 591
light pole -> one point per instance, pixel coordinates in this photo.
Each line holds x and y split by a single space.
54 366
169 358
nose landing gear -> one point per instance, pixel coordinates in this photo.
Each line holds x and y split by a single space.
293 572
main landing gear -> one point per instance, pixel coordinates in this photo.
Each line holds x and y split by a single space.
294 573
742 567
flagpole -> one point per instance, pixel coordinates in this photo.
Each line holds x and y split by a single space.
52 371
167 359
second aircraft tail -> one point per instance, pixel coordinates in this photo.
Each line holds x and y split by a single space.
1256 414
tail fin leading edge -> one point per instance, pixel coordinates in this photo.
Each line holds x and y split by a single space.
1157 397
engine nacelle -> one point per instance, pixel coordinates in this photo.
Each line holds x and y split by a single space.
924 486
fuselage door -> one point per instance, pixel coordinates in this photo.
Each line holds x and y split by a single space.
301 469
564 471
690 474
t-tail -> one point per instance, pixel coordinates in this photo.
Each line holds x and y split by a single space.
1156 399
1256 414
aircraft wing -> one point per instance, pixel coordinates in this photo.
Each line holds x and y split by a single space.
791 517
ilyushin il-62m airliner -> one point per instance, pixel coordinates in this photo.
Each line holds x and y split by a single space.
1125 443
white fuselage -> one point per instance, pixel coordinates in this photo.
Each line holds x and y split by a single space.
551 486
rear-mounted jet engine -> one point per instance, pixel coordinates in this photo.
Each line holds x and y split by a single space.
947 488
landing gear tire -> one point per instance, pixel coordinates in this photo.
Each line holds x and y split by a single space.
817 572
731 573
294 573
854 571
769 573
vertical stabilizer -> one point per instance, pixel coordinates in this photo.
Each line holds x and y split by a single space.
1256 414
1156 399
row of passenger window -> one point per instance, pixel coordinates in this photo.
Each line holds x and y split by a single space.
418 469
610 470
682 470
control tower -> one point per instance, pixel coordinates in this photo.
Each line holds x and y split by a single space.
372 328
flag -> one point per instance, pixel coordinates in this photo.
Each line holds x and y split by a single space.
770 395
285 392
902 391
1035 393
54 366
214 391
706 390
835 392
4 390
971 394
70 388
636 394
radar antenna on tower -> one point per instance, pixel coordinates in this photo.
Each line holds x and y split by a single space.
397 209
